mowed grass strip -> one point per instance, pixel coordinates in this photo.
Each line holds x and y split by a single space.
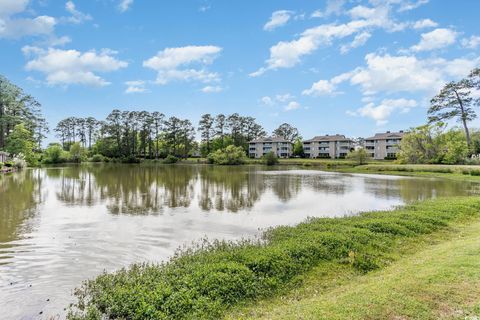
205 281
440 281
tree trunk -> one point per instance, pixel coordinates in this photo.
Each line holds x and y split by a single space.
464 119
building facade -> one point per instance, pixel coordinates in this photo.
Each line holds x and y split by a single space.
3 156
384 145
280 146
328 146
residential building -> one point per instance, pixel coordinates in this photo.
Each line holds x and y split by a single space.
328 146
384 145
280 146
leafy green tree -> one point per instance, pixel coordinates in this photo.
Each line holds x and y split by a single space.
359 156
455 148
454 101
287 132
270 159
54 154
207 131
298 148
231 155
77 153
20 142
420 145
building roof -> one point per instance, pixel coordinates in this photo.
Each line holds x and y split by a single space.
270 139
386 135
335 137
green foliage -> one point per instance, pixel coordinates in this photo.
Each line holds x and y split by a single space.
77 153
359 156
97 158
298 148
21 142
431 144
270 159
170 159
55 154
230 155
202 282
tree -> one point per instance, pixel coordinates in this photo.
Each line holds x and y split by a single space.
91 126
298 148
231 155
287 132
220 126
206 129
20 142
454 102
270 159
158 122
77 152
359 156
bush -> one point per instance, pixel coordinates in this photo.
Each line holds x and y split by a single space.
97 158
359 156
270 159
202 282
9 164
130 159
170 159
230 155
55 154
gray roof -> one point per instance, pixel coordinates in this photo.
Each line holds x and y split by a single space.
386 135
270 139
335 137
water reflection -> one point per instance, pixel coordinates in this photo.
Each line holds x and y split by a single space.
59 226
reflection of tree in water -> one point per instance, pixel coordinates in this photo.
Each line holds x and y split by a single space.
285 186
128 189
329 184
229 188
20 195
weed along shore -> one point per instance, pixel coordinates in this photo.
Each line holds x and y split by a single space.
206 281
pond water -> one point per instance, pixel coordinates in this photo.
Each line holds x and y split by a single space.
60 226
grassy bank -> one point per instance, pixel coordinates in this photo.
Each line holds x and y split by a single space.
204 282
441 280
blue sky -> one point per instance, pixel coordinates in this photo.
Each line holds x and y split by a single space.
351 67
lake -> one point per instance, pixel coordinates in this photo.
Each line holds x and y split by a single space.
62 225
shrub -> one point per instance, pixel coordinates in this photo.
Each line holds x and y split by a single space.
9 164
202 282
170 159
97 158
359 156
130 159
270 159
230 155
55 154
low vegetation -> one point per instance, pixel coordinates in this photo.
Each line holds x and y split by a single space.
270 159
230 155
203 282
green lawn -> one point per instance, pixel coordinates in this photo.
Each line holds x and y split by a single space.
440 281
312 259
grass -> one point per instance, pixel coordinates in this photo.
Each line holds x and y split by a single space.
206 281
456 172
439 281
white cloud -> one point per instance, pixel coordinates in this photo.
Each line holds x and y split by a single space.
64 67
392 74
380 113
212 89
124 5
77 16
12 27
436 39
333 7
284 97
286 54
167 63
425 23
135 86
359 40
267 101
292 105
410 5
278 19
471 43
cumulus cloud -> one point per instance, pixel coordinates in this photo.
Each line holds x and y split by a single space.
278 19
471 43
359 40
124 5
436 39
77 16
212 89
286 54
13 27
410 5
380 113
135 86
333 7
65 67
266 100
425 23
174 64
393 74
292 105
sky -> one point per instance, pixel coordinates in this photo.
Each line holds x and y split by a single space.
350 67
